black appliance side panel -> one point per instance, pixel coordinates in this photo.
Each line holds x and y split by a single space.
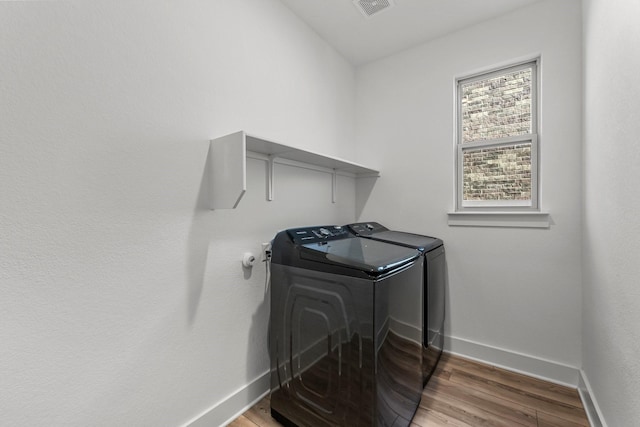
398 325
435 271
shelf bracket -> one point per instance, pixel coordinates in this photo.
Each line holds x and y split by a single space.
334 186
270 178
228 184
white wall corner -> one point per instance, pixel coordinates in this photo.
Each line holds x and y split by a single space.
230 408
588 401
517 362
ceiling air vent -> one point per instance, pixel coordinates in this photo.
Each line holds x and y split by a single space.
371 7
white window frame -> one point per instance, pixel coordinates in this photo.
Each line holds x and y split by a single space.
468 206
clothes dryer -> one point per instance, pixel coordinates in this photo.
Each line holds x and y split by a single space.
336 358
433 284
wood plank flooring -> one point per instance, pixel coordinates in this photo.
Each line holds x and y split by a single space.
464 393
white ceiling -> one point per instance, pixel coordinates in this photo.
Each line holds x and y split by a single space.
405 24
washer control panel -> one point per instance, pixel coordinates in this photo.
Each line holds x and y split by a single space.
367 228
316 234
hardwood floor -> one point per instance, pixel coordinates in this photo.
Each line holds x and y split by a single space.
464 393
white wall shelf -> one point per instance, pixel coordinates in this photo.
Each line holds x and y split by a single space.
229 166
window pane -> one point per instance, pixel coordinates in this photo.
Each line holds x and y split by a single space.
497 107
498 173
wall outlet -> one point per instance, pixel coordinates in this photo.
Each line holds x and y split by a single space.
266 251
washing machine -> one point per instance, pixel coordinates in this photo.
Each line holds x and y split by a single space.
433 280
337 356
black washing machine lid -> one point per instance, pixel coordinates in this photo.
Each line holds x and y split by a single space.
366 255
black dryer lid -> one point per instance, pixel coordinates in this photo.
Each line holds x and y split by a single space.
417 241
377 231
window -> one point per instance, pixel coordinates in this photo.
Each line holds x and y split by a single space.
497 144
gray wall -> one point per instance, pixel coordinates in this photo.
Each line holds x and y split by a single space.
123 298
611 295
509 289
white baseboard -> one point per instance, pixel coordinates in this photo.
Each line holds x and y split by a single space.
590 405
230 408
522 363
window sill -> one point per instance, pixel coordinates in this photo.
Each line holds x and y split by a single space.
500 219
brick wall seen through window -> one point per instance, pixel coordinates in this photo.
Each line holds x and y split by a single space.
497 144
